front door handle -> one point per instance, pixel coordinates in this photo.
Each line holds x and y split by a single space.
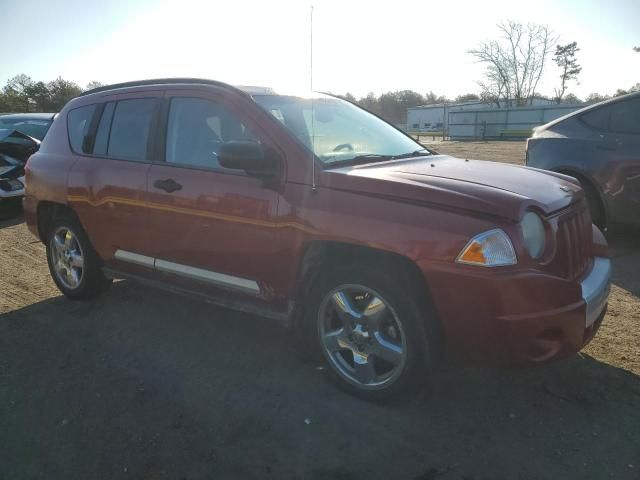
169 185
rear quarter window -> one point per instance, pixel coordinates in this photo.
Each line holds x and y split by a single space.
78 122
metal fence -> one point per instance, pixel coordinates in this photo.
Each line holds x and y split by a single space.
503 123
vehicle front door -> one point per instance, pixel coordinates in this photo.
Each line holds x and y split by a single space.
215 229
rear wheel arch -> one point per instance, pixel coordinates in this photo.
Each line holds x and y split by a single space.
47 212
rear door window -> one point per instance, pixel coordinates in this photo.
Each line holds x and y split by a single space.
130 127
598 118
78 123
625 117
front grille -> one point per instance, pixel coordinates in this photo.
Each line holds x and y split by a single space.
574 240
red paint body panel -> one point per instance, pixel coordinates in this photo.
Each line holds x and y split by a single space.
425 210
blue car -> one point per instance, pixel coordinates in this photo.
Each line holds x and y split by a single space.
600 146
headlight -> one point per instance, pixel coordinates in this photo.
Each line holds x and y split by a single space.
489 249
533 234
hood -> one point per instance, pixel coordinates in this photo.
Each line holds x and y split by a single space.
491 188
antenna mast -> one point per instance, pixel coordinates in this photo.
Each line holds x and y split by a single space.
313 131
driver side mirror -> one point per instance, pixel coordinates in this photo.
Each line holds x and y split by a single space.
249 156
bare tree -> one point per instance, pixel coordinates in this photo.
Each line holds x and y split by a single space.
515 63
565 58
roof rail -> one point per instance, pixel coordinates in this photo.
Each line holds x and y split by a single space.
157 81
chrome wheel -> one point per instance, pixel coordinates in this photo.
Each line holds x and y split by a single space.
362 337
67 257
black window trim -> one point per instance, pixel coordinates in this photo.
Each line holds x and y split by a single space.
96 106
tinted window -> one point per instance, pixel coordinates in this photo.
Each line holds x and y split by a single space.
625 116
598 118
197 128
130 129
78 122
102 135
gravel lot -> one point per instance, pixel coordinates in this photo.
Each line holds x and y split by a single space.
147 385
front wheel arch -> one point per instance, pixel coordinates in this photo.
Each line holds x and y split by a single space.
321 256
589 185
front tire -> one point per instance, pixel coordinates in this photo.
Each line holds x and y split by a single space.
596 208
371 331
74 265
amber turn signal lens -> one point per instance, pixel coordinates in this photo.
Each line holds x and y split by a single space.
473 254
488 249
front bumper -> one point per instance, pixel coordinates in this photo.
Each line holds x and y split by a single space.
595 289
518 317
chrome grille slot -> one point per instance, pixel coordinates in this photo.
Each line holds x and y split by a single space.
574 235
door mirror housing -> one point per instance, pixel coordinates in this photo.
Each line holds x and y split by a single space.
249 156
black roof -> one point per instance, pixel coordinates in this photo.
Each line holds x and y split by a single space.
158 81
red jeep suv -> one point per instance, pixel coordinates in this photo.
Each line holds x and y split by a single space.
310 210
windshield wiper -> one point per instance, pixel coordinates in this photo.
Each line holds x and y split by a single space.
366 158
417 153
369 157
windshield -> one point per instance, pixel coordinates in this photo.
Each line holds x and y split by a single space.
337 131
36 128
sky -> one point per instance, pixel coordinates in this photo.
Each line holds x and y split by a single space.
358 46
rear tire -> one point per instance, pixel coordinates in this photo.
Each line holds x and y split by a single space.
370 329
73 263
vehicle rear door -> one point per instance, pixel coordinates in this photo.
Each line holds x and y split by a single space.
108 183
215 230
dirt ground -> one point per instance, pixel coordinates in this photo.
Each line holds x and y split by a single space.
146 385
508 152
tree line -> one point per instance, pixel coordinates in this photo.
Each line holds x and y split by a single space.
515 63
22 94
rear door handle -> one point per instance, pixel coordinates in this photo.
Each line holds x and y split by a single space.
169 185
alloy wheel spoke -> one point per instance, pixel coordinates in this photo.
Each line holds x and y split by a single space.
386 350
58 244
336 340
76 260
71 276
375 312
60 268
363 369
345 309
